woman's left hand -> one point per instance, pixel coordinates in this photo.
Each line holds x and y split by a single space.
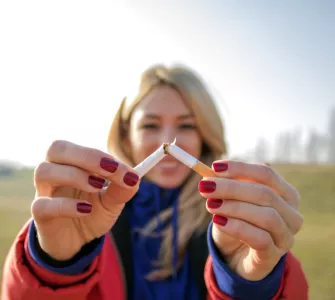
255 216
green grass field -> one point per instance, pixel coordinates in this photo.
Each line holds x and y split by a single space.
315 243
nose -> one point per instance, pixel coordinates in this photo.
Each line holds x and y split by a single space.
168 135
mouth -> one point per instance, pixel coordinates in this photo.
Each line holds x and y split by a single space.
168 164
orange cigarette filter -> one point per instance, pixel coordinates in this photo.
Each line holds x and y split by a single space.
187 159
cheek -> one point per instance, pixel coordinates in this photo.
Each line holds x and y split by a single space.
142 145
191 143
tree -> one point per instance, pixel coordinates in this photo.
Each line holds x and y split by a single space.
331 137
283 148
261 152
313 147
297 145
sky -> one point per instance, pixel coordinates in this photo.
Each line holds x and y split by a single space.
65 66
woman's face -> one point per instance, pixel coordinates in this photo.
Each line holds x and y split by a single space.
159 118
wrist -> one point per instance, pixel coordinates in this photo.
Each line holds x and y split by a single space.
57 245
56 251
242 260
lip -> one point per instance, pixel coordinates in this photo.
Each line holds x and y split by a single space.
169 166
169 159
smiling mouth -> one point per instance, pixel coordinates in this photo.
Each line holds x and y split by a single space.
168 163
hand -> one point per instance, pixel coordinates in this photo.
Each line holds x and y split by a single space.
71 206
255 216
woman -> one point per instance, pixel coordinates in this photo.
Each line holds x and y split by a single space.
161 240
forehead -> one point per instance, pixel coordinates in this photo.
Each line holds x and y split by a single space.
162 101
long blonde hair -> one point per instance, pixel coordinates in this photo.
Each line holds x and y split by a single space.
193 218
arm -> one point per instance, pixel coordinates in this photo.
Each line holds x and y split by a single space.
24 279
293 284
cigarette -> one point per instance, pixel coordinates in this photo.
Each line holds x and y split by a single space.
190 161
146 165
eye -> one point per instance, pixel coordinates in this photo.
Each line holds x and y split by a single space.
187 126
150 126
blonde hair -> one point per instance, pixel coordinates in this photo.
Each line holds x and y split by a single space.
193 218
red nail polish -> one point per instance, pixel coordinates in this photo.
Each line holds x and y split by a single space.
130 179
84 208
96 182
220 220
206 186
220 166
108 164
214 203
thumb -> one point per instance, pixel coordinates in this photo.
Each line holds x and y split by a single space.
48 208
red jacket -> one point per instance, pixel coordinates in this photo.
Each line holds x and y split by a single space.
23 279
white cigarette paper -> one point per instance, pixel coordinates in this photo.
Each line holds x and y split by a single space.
145 166
181 155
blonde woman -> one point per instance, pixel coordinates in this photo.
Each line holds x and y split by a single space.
157 238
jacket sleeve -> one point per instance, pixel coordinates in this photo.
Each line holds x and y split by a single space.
293 284
24 279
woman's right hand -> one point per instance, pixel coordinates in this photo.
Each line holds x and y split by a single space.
71 206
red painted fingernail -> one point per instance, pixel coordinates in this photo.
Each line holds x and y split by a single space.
84 208
130 179
214 203
96 182
108 164
220 166
206 186
220 220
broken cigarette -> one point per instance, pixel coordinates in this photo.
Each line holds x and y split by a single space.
187 159
146 165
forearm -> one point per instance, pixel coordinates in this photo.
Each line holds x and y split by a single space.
24 279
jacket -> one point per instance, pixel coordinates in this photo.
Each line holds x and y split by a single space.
23 279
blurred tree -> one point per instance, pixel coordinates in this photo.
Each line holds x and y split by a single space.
331 137
314 147
262 150
6 169
297 153
283 148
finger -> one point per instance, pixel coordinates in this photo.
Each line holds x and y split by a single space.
254 193
50 175
115 195
92 160
266 218
47 208
258 173
248 234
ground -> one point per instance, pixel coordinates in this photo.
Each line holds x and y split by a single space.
314 246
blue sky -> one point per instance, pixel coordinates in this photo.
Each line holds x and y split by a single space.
65 65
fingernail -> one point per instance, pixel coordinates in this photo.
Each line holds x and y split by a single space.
108 164
214 203
84 208
96 182
130 179
206 186
220 220
220 166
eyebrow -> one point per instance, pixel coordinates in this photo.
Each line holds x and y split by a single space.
181 117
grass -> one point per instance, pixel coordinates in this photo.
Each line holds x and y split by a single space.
314 246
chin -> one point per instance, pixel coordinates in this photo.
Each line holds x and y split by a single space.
168 185
167 177
168 182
